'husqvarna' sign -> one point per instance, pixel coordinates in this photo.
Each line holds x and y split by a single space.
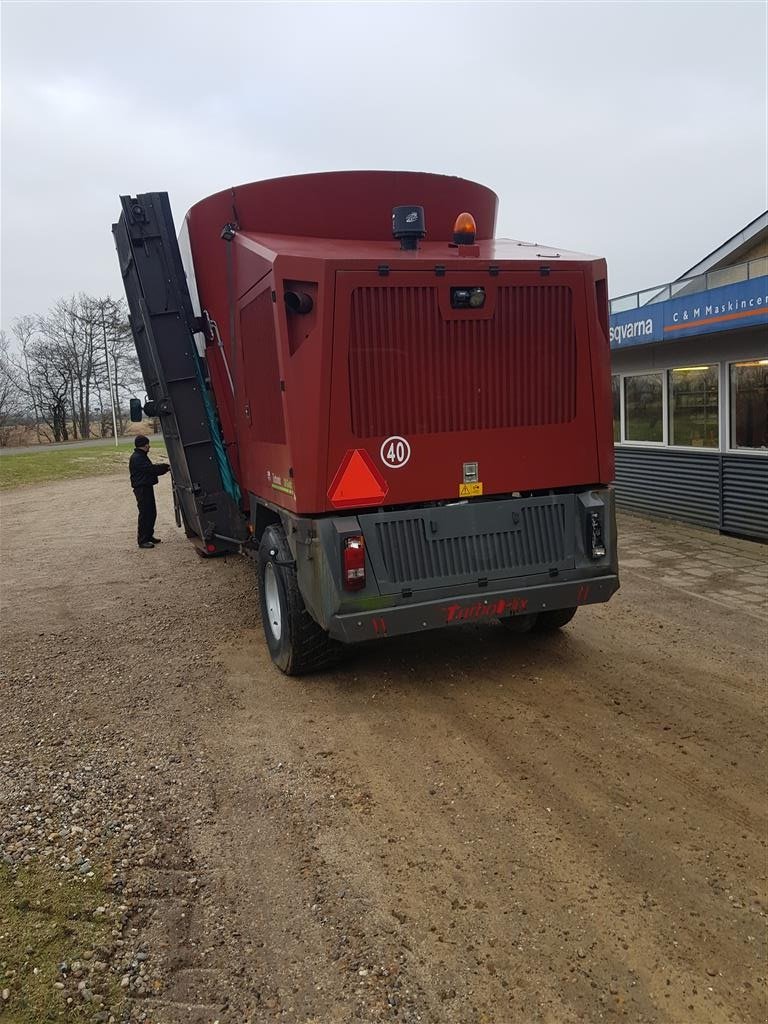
642 329
744 304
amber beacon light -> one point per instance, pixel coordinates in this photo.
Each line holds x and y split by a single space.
465 229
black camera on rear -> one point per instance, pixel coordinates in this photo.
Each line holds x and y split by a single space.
408 225
467 298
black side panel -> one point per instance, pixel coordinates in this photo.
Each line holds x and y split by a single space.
745 495
720 490
673 484
162 322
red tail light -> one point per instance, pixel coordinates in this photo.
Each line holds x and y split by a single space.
353 563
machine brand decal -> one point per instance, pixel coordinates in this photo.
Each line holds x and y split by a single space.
380 627
583 595
395 452
279 483
470 490
483 610
284 488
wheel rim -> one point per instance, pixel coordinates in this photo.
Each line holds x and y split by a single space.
272 601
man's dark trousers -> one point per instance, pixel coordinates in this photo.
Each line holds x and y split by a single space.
145 499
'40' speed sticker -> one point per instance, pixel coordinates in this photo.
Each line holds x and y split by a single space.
395 452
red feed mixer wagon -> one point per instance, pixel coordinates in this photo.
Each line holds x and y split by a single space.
404 420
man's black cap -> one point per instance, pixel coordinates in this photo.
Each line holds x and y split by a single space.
140 441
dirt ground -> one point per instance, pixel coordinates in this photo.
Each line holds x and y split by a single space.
465 827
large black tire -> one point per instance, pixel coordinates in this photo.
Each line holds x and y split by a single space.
295 641
548 622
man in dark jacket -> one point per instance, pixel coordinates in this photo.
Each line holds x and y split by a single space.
144 475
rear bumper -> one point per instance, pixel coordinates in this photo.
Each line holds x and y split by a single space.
414 615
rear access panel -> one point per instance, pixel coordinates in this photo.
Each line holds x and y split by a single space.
505 389
464 543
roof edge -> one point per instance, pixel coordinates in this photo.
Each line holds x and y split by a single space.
730 246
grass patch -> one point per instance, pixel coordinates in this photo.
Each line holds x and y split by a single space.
47 919
68 463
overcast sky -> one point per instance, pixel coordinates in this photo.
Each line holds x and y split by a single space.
637 132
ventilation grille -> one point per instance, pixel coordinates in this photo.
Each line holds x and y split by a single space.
537 542
411 372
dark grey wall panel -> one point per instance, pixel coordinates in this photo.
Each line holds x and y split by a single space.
664 482
745 495
721 491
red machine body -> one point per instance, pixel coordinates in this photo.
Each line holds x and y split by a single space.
519 387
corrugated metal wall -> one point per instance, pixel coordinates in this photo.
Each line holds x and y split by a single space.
680 485
720 491
745 495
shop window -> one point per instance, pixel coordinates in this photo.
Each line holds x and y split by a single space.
616 392
643 407
749 404
693 407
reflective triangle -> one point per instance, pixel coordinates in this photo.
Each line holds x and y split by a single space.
357 482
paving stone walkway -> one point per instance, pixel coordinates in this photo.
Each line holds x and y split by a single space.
726 570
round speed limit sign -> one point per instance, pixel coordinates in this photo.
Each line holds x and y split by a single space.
395 452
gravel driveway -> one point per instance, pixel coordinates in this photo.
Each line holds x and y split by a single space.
467 827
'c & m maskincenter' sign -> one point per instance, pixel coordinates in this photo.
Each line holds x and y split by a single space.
744 304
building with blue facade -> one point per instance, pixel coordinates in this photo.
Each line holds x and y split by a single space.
690 391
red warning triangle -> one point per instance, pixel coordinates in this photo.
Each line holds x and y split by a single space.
357 482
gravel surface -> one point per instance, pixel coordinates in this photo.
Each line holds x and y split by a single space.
465 827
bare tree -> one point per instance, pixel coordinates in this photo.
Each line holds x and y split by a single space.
39 375
125 363
72 326
74 367
24 330
10 398
42 376
53 385
120 364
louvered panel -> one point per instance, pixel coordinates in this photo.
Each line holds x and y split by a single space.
720 490
745 495
674 484
533 540
412 372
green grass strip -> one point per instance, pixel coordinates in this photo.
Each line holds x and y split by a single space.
68 464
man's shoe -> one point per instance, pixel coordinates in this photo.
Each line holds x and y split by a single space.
147 544
156 540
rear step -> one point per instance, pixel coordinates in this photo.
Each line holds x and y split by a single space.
163 325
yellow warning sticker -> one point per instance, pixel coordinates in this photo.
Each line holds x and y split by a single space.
470 490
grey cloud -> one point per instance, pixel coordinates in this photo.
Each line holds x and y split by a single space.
632 131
